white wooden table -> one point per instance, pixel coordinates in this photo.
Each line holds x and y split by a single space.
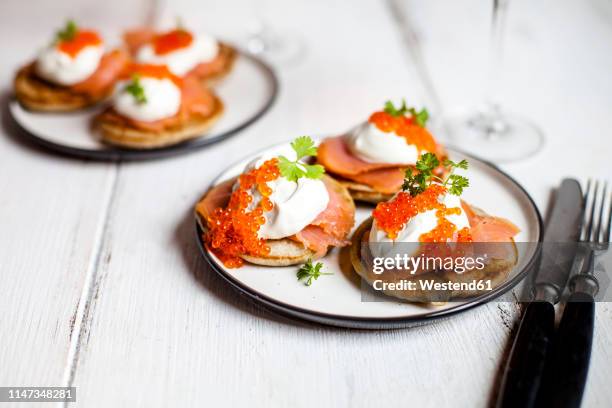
102 286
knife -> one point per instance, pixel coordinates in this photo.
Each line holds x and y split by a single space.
525 366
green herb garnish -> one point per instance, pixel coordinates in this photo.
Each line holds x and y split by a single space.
68 32
420 117
393 111
416 183
309 272
294 170
136 90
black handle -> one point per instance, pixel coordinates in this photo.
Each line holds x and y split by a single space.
525 367
567 368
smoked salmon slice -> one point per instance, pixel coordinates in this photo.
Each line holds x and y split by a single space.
329 228
332 226
335 156
111 67
487 228
387 178
218 196
386 181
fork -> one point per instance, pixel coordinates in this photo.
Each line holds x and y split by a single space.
568 364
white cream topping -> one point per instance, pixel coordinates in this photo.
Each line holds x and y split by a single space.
420 224
372 145
296 204
203 48
163 100
60 68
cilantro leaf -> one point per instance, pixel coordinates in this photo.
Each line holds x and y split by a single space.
421 117
315 171
68 32
393 111
303 146
289 169
308 272
136 90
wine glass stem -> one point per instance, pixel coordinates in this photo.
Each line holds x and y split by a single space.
498 23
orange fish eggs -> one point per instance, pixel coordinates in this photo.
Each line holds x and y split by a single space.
405 127
82 39
171 41
233 231
391 216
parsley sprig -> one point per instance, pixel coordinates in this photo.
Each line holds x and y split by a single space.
303 146
136 90
308 272
68 32
416 183
420 117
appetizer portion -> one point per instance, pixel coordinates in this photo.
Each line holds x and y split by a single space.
428 219
153 108
184 52
280 211
370 160
71 73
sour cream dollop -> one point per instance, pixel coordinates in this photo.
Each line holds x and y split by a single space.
163 100
383 246
296 204
61 68
372 145
203 48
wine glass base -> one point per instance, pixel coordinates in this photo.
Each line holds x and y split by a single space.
499 138
277 49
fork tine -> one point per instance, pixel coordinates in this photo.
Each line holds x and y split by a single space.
608 230
589 205
599 230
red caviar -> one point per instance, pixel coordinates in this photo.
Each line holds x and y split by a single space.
171 41
391 216
151 71
233 231
82 39
406 127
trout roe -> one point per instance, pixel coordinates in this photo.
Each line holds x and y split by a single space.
233 230
391 216
406 127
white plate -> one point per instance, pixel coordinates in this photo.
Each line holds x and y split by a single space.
337 299
247 93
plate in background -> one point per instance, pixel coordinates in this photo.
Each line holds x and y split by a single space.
336 300
247 93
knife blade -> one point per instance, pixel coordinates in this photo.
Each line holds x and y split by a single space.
525 366
560 237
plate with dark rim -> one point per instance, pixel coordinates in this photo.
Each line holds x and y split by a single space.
247 92
337 299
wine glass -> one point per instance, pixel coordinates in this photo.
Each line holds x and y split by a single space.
488 131
280 48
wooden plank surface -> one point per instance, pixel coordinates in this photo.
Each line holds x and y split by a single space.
110 249
52 212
